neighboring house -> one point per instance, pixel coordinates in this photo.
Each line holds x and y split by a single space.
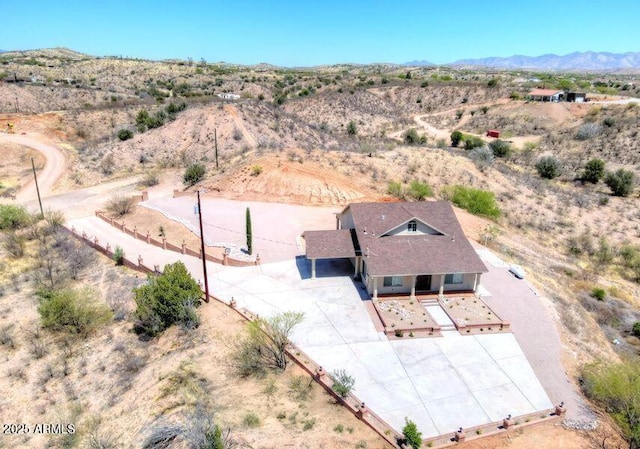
545 95
400 248
228 96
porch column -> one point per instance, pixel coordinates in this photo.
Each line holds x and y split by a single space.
313 268
441 289
357 267
337 222
475 284
375 287
413 287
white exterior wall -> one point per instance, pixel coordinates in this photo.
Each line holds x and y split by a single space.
467 283
346 220
421 229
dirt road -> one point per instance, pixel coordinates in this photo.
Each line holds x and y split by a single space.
54 167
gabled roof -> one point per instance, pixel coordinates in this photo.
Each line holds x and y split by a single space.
412 254
330 244
544 92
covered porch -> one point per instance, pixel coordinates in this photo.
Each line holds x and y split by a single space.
422 284
337 244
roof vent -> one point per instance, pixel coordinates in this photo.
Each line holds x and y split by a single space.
383 217
367 253
365 229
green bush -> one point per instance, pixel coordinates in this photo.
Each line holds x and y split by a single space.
456 138
620 182
13 217
471 142
411 137
71 311
548 167
598 293
394 188
500 148
636 329
167 299
411 434
125 134
343 383
251 420
194 174
352 129
476 201
616 388
419 190
593 171
118 255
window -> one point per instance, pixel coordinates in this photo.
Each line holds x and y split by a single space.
412 226
392 281
455 278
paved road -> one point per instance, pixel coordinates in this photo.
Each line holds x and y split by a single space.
515 301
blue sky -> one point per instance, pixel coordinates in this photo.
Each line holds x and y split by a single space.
298 33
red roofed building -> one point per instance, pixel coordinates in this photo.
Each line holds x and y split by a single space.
545 95
400 248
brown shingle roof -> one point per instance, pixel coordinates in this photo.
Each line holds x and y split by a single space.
329 244
449 252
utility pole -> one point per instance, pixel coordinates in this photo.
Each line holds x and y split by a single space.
215 139
204 256
33 165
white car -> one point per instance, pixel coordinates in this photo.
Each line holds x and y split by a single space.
517 271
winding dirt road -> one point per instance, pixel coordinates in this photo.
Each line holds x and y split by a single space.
54 167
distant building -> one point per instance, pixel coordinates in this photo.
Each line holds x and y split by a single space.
228 96
576 97
546 95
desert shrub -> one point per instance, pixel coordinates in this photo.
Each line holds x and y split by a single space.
609 122
150 178
125 134
635 330
500 148
593 171
419 190
264 345
118 255
476 201
394 188
588 130
548 167
493 82
616 388
411 137
13 217
471 142
14 244
620 182
256 170
107 164
598 293
411 434
173 108
251 420
456 138
352 129
193 174
482 157
72 311
120 205
343 383
166 299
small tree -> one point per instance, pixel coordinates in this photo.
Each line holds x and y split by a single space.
419 190
636 329
548 167
471 142
71 311
456 138
166 300
343 383
265 343
411 434
620 182
193 174
352 129
13 217
394 188
500 148
411 137
249 231
593 171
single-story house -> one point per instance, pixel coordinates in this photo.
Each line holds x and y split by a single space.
545 95
401 248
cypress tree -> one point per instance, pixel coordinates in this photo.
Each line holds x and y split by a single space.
249 234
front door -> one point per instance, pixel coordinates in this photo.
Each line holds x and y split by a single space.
423 283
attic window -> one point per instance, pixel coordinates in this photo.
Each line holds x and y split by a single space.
412 226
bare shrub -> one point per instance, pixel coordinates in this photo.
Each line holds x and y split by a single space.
14 244
588 130
151 178
121 205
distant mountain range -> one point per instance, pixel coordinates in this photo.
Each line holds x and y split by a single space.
589 60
